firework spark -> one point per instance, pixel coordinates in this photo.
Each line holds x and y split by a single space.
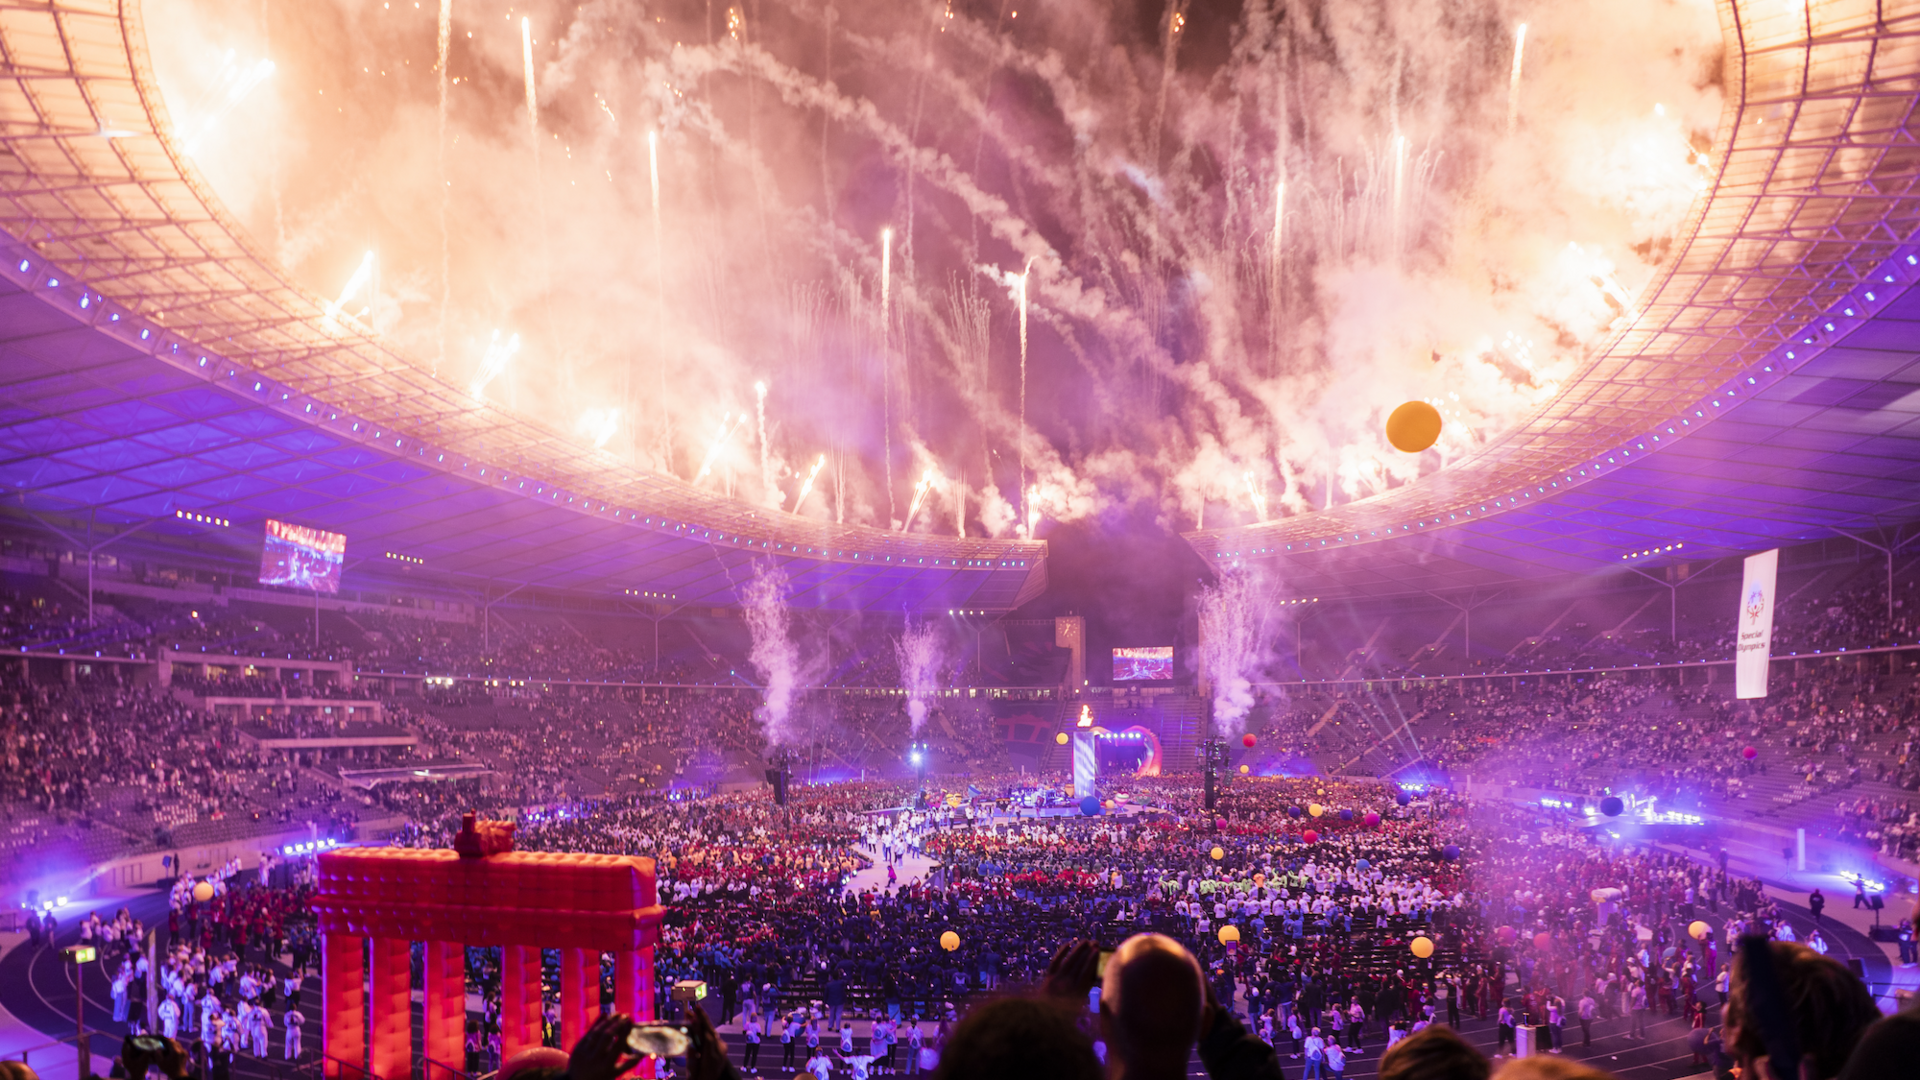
494 363
720 443
242 83
919 496
806 489
361 275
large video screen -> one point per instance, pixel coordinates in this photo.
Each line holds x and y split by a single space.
301 557
1143 664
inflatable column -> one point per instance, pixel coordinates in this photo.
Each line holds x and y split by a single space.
343 982
520 1019
390 1013
444 1010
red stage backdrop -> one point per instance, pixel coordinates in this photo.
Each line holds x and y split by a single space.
583 905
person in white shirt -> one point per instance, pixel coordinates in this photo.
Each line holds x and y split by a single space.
820 1065
1316 1051
750 1031
257 1027
294 1020
913 1047
860 1065
170 1018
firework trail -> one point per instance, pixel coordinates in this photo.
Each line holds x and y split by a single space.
442 45
1513 80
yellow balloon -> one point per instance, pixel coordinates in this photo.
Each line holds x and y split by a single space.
1229 934
949 941
1316 809
1698 930
1422 947
1413 427
1061 738
1217 854
203 892
1244 770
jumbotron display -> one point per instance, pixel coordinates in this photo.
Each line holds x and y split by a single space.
1143 664
302 557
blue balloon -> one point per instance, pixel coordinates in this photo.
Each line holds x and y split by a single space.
1612 806
1090 806
1403 798
1346 815
1295 811
1450 853
1363 864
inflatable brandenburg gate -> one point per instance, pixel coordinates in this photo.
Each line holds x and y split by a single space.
482 893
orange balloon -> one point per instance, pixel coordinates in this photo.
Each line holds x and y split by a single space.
1413 427
1422 947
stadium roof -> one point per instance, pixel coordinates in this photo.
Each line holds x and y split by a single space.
1768 390
155 363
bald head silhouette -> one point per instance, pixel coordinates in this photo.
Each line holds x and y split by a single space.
1150 1008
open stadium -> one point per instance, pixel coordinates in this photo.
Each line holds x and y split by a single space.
978 538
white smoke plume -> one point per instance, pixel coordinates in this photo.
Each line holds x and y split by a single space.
774 654
1251 233
1234 647
918 653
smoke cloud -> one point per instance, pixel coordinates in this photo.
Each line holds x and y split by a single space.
1251 232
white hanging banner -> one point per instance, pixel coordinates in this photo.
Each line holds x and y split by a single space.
1753 626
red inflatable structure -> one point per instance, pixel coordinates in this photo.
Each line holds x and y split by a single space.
582 905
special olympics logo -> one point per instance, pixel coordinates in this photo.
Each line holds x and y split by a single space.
1756 604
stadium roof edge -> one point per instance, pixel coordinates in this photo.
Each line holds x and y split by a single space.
1756 398
286 409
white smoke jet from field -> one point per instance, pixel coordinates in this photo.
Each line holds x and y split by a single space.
918 654
1233 647
773 654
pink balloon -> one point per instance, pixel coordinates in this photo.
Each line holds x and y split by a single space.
1750 753
1372 819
